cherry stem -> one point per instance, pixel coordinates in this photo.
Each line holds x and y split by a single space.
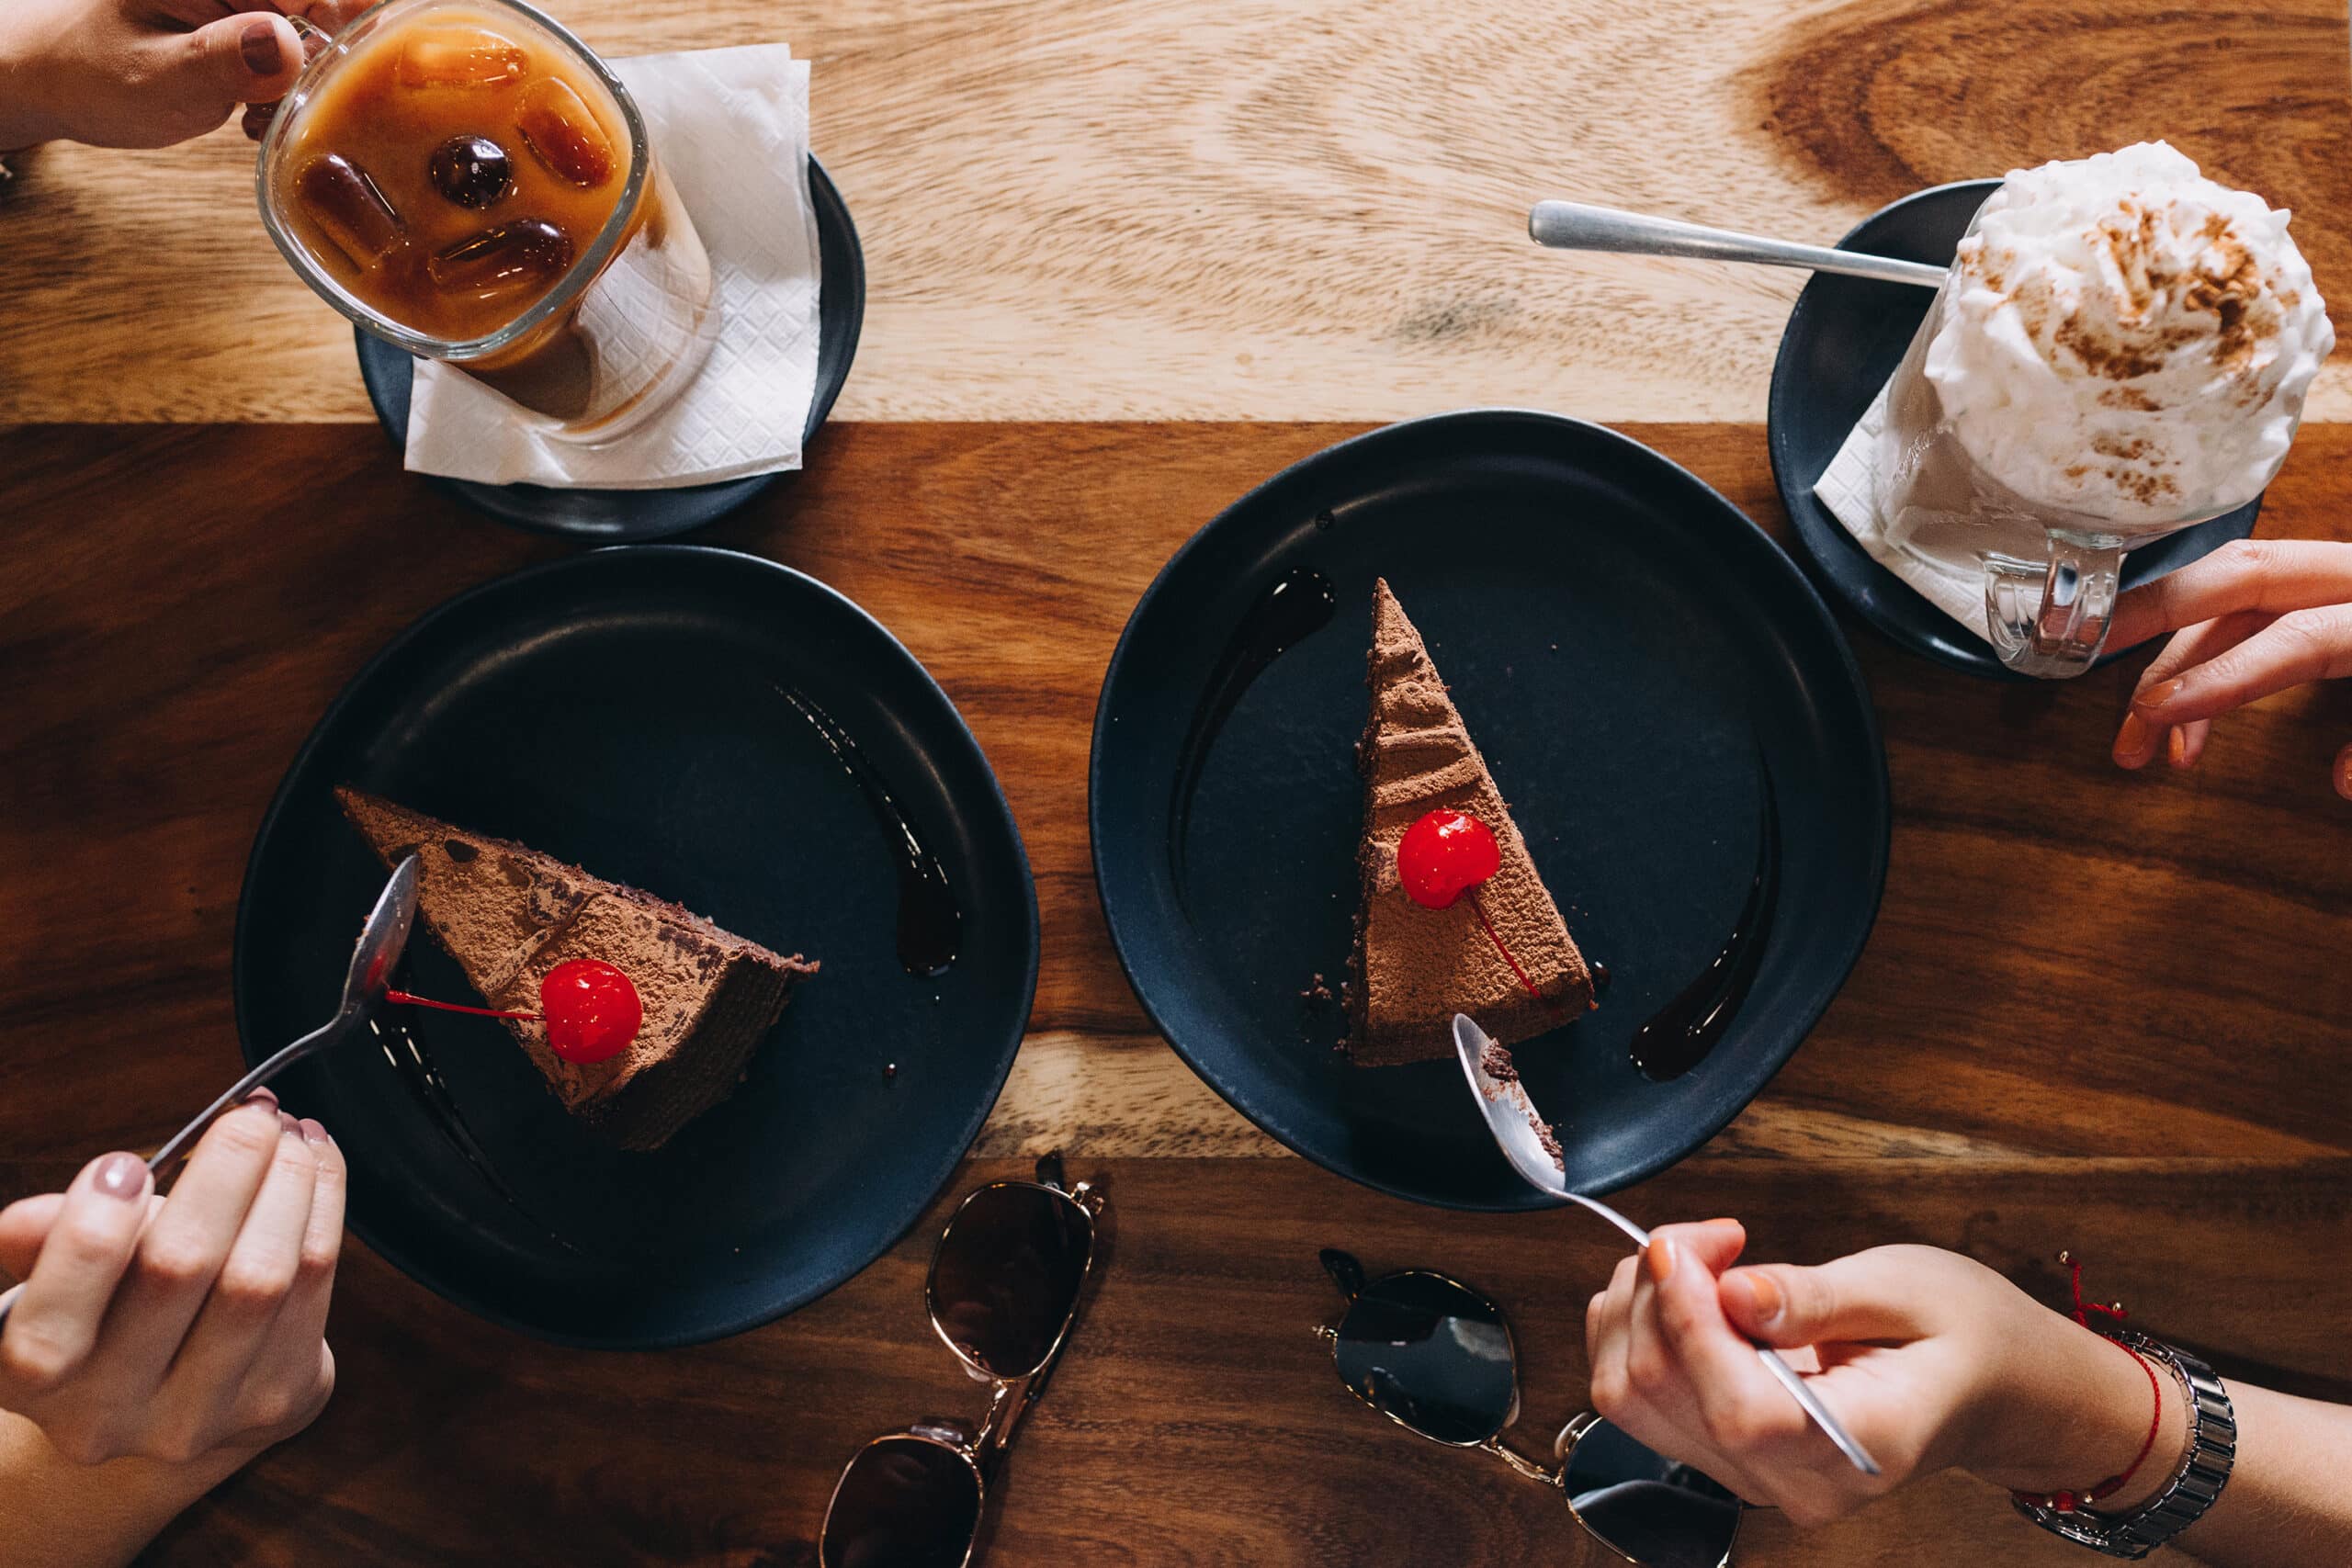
1478 906
481 1013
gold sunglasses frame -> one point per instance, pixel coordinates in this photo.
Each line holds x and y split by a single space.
1011 1398
1563 1446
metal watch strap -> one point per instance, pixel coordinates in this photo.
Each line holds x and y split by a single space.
2204 1470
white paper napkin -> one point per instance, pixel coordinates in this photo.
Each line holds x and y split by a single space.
732 129
1850 488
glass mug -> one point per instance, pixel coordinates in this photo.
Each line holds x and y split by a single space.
469 181
2050 574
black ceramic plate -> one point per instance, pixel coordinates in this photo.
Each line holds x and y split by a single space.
627 709
1630 652
615 516
1844 339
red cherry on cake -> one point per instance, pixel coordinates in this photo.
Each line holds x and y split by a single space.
591 1011
1445 854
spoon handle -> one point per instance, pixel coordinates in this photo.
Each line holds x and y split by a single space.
1574 226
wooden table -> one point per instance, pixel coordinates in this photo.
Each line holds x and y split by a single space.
2098 1011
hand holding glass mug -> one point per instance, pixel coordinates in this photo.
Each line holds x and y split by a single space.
2253 619
145 73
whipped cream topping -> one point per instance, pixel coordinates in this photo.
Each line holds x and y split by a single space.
2121 336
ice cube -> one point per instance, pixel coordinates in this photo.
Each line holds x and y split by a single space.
473 171
559 127
460 57
505 263
349 208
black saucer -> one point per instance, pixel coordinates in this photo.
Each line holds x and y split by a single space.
1844 339
642 711
620 516
1636 658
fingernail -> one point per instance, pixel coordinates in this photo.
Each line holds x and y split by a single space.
287 1123
314 1135
121 1176
1725 1220
263 1097
2177 747
259 46
1766 1293
2131 740
1662 1260
2158 694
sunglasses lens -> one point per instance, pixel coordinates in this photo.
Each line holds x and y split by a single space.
1432 1354
1006 1276
1648 1507
903 1502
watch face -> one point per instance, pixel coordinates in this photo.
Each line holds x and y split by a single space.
2082 1531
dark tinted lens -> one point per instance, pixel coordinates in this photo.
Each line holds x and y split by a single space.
1007 1274
1660 1514
903 1502
1432 1354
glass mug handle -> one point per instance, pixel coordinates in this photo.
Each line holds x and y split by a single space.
2051 617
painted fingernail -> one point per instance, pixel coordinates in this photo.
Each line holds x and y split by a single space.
121 1176
263 1097
288 1123
2131 740
1766 1293
2177 747
2158 694
1662 1260
2343 775
314 1135
259 46
1725 1220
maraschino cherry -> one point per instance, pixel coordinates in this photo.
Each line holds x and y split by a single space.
1446 854
591 1009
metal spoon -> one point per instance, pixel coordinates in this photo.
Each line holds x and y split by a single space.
1511 1116
1574 226
381 940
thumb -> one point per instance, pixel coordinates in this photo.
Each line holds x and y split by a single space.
252 56
1867 1296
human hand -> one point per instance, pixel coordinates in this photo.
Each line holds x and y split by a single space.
184 1330
2254 617
145 73
1932 1361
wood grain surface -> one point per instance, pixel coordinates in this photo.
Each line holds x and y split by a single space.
2098 1011
1269 209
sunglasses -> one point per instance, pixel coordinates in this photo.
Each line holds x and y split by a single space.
1436 1357
1002 1295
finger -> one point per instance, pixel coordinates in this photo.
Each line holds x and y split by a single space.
89 1244
185 1248
2185 743
1864 1297
2270 575
2342 773
1742 1408
251 57
1605 1340
2296 649
303 1322
256 1278
24 1224
2139 741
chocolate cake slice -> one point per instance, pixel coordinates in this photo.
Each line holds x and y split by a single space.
508 914
1415 968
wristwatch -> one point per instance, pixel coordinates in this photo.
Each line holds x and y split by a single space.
2204 1469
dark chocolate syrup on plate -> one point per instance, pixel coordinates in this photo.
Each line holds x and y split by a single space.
1681 1033
414 1064
930 924
1300 603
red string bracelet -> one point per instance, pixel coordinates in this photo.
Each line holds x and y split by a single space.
2068 1502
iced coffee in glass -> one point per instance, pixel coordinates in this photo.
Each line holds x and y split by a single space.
2121 349
465 179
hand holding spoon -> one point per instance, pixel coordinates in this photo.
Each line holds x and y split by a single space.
1511 1116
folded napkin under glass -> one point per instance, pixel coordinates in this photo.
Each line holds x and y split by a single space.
1850 489
731 127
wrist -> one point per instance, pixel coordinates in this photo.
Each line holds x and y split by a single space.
2075 1413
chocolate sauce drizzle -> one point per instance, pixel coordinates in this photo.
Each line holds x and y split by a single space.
931 922
1681 1033
1296 606
414 1064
